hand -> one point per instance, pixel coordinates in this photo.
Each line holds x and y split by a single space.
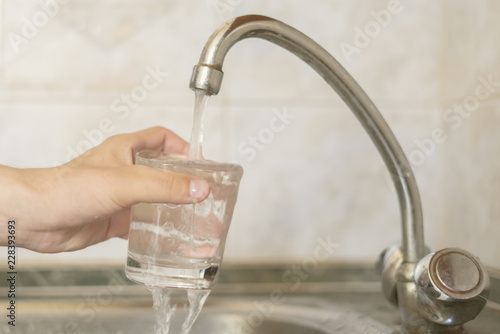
87 200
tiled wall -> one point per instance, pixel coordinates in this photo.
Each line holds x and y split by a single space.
320 177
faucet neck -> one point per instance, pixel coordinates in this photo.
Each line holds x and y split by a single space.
207 75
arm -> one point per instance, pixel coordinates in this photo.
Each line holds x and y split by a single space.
87 200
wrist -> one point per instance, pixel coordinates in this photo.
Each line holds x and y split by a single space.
13 196
5 186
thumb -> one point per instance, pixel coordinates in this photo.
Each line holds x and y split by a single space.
137 184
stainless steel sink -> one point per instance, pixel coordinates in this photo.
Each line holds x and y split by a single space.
220 315
259 299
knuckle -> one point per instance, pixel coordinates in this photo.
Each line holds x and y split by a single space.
173 185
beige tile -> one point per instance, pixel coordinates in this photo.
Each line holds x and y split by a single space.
83 50
320 175
472 187
470 35
113 251
390 66
317 176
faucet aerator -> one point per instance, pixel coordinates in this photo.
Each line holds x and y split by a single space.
207 78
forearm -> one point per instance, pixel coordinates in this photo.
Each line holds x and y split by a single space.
30 197
88 200
10 192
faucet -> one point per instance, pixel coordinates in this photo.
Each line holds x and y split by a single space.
433 291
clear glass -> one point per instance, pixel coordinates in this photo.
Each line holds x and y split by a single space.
181 246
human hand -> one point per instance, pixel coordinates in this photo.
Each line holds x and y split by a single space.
87 200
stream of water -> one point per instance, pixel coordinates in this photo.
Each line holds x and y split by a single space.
195 148
162 301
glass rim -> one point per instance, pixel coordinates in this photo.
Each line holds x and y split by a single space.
179 160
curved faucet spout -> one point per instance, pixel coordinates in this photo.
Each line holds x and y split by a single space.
207 75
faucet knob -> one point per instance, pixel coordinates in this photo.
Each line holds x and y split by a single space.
452 286
386 267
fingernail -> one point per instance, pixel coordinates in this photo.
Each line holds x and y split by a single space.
198 188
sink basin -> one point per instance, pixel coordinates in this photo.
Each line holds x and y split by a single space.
220 315
334 298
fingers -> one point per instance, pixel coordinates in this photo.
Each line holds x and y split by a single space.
120 150
160 139
119 225
140 184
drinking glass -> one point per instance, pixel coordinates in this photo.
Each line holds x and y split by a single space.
181 246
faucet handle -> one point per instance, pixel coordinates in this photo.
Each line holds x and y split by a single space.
386 267
452 286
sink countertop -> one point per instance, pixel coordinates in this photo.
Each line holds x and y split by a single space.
352 287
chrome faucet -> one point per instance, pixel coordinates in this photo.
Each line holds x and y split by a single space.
417 288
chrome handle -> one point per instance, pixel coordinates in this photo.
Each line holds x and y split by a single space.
452 286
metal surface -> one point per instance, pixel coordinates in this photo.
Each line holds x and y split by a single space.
452 286
333 298
336 76
398 276
220 315
387 266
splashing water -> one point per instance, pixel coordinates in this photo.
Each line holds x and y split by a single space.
195 149
164 308
197 299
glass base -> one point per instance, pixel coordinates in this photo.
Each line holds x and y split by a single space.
199 276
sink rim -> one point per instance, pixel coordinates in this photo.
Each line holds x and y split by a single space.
351 285
319 315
